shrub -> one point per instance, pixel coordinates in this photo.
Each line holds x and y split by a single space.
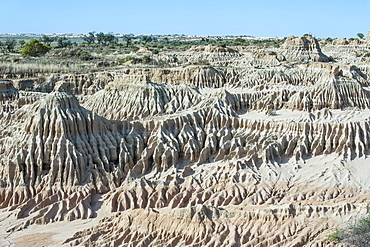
271 112
134 60
356 234
124 60
221 44
162 64
135 49
239 41
203 62
335 237
146 59
34 48
84 55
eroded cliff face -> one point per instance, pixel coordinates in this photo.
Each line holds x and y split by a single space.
78 84
337 89
263 154
304 48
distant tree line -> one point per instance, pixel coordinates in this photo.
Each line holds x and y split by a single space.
91 45
109 39
62 42
100 38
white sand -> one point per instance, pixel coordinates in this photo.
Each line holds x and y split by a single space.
53 234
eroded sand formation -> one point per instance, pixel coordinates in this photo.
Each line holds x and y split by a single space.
259 148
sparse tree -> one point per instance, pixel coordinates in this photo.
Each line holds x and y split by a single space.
10 44
361 35
100 38
47 40
128 39
63 42
21 42
90 38
109 39
2 45
105 39
146 39
35 48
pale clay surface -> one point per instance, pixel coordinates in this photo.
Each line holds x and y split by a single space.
259 148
